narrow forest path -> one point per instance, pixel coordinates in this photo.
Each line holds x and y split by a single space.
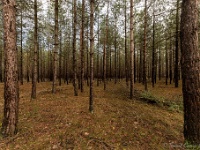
62 121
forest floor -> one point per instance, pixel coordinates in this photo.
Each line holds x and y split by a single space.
62 121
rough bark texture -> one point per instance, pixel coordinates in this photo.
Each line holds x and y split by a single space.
91 54
11 89
176 70
131 51
34 81
144 46
82 46
74 53
55 53
125 47
190 70
21 49
105 50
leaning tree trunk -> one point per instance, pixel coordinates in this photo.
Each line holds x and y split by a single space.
55 52
11 89
190 70
34 81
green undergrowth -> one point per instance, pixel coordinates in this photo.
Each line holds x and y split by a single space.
173 105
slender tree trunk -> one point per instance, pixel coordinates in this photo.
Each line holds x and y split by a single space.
21 51
55 52
131 50
74 53
60 59
170 61
98 51
153 51
125 47
167 65
82 45
144 47
11 88
115 45
159 64
105 50
190 70
34 81
176 70
1 66
87 74
91 54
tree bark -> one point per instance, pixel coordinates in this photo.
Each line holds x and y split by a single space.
144 47
82 46
55 51
131 51
91 54
190 70
11 89
74 53
34 81
176 70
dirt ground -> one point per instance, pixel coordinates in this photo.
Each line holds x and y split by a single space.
62 121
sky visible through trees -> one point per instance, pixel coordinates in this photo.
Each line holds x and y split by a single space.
91 44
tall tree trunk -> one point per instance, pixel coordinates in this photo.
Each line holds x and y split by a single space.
74 53
60 59
144 47
34 81
190 70
153 50
131 50
115 45
55 51
176 70
105 49
1 66
11 88
91 54
21 50
167 65
98 51
170 61
125 47
82 45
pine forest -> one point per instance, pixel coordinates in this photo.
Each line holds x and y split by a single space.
99 75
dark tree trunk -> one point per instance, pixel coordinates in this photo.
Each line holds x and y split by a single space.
11 89
131 51
126 53
190 70
167 65
34 81
144 47
74 53
82 45
91 54
21 50
60 59
176 70
153 51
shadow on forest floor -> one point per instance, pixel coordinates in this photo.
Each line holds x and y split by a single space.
62 121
